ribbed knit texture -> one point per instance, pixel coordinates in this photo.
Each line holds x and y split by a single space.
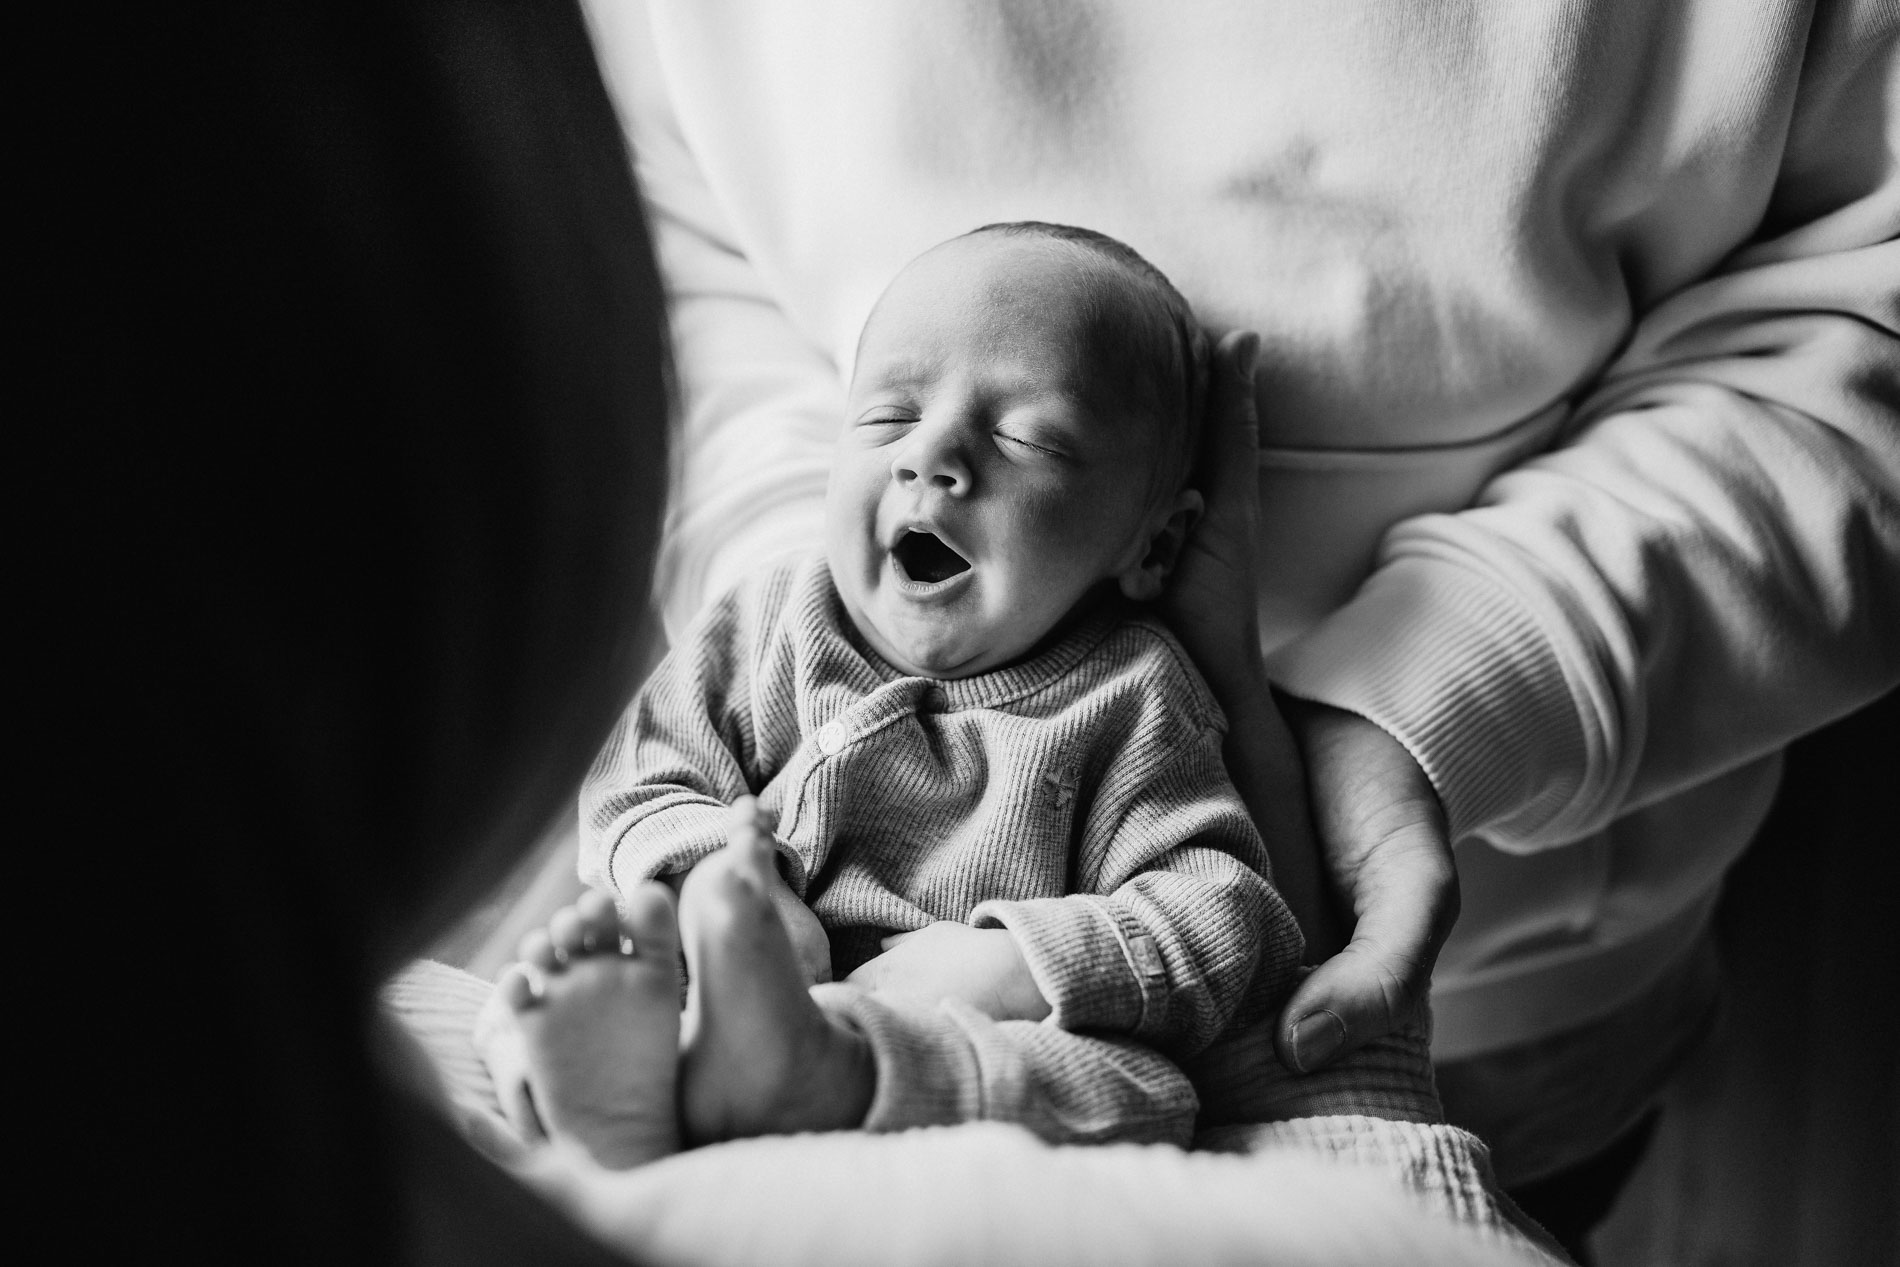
1447 1167
1241 1080
1077 799
1464 677
436 1005
1374 1107
950 1064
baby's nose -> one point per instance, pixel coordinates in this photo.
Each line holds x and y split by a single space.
935 459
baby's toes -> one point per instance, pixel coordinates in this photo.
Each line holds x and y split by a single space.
522 987
600 923
652 923
538 949
570 933
748 825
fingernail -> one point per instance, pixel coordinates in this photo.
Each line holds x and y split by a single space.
1317 1036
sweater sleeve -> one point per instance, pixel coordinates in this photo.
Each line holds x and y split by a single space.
1174 916
656 799
759 405
1710 565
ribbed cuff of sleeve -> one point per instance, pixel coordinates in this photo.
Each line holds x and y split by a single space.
1459 671
931 1070
662 843
1094 973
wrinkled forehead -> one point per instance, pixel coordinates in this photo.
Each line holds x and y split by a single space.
1025 307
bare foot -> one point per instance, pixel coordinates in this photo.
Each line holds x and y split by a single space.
811 947
760 1058
600 1026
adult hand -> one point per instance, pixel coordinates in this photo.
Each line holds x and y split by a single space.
983 967
1209 602
1210 605
1383 839
1374 841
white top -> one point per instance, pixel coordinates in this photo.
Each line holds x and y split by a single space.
1582 466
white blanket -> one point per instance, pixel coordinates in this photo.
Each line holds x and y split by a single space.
1340 1189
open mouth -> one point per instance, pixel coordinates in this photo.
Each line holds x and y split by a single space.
923 557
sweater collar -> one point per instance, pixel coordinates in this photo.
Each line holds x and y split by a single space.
999 686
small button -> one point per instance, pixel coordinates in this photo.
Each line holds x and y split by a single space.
1148 959
935 701
831 740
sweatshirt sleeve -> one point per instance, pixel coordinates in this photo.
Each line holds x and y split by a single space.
656 799
758 404
1709 566
1174 916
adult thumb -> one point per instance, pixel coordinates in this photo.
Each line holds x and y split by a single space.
1383 837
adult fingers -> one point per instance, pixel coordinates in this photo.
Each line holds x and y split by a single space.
1209 599
1406 902
1383 836
1228 473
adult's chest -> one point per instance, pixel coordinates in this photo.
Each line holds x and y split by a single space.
1443 220
1442 216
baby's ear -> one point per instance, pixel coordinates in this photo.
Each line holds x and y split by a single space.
1145 580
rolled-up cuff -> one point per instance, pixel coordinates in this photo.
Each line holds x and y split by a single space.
1454 666
662 842
931 1070
1095 969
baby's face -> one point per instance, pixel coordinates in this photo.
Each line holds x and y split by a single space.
985 481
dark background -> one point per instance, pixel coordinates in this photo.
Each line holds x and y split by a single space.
1778 1146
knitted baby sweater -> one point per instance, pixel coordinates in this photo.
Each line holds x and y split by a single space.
1077 799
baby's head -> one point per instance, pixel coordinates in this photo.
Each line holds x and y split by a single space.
1023 418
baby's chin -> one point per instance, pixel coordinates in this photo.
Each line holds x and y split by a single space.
945 663
942 654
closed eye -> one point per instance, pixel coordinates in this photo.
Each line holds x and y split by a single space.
1030 445
882 428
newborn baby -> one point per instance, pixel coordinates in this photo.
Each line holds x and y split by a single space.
951 764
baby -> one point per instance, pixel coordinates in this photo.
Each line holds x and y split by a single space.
946 808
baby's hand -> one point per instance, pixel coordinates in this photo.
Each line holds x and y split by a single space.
983 967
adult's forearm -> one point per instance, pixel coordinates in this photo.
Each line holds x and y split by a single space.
1702 573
